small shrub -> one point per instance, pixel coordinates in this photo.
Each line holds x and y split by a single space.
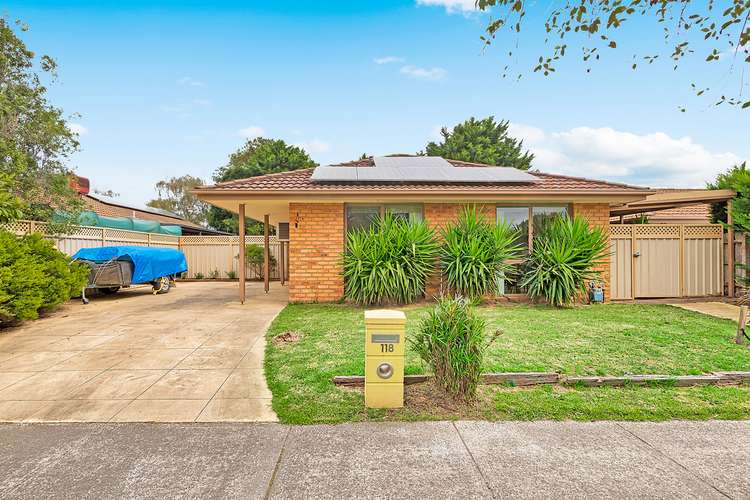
199 276
563 260
35 276
254 259
475 252
231 275
451 341
214 275
390 262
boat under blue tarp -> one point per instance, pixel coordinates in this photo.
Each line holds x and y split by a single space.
149 264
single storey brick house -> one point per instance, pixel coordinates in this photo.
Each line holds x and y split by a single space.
320 205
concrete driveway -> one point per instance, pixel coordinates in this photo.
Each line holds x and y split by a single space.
712 308
462 460
194 354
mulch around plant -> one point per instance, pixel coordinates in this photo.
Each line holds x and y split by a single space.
428 401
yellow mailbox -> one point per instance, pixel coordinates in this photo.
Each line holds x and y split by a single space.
384 358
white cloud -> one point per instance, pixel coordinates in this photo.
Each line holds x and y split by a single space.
202 102
189 81
451 6
654 159
423 73
388 60
251 132
77 128
314 146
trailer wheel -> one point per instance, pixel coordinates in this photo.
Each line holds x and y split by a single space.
162 285
110 290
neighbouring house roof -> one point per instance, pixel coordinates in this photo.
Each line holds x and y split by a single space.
684 203
107 206
698 214
301 182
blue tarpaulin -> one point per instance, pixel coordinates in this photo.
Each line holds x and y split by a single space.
149 264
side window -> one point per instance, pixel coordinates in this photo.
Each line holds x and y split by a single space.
518 218
406 212
542 215
361 216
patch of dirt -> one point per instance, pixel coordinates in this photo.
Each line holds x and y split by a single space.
428 401
285 338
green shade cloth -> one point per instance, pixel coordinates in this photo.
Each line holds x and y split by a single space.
89 218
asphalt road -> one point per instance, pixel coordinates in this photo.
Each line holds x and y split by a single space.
411 460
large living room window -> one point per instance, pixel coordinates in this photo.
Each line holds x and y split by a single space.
363 216
519 217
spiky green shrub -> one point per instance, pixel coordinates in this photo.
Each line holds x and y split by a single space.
451 341
389 262
34 276
563 259
475 251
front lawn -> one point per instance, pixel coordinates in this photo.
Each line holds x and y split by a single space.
591 340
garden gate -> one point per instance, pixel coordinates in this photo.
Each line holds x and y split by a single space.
666 260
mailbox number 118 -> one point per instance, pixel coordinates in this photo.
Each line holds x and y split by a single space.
386 347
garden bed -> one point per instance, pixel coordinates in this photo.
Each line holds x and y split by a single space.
608 340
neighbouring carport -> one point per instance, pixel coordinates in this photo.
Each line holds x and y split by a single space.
672 260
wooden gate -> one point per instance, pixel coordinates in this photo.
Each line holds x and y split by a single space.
666 260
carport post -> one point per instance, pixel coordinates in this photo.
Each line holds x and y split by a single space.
282 269
730 248
242 253
266 255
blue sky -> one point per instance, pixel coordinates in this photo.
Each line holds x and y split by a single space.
169 90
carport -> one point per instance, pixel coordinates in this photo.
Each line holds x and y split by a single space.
672 260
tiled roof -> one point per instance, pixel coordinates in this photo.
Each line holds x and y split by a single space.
300 181
699 212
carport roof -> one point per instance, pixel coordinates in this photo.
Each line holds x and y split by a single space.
671 198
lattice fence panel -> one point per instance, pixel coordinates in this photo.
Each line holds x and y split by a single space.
707 231
18 227
657 231
620 231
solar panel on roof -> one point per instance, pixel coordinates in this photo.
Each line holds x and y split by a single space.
328 173
420 169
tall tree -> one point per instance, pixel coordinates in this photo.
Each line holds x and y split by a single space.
713 31
481 141
257 156
35 141
175 195
737 178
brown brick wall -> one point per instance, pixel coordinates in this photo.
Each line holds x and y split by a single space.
315 248
316 245
597 214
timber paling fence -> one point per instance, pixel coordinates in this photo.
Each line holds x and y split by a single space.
209 256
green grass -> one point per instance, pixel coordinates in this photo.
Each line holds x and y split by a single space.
593 340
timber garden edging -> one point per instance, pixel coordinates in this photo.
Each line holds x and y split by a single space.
549 378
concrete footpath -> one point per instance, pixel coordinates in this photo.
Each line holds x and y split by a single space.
409 460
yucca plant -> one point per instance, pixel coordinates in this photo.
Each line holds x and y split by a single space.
563 259
475 251
451 341
390 262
